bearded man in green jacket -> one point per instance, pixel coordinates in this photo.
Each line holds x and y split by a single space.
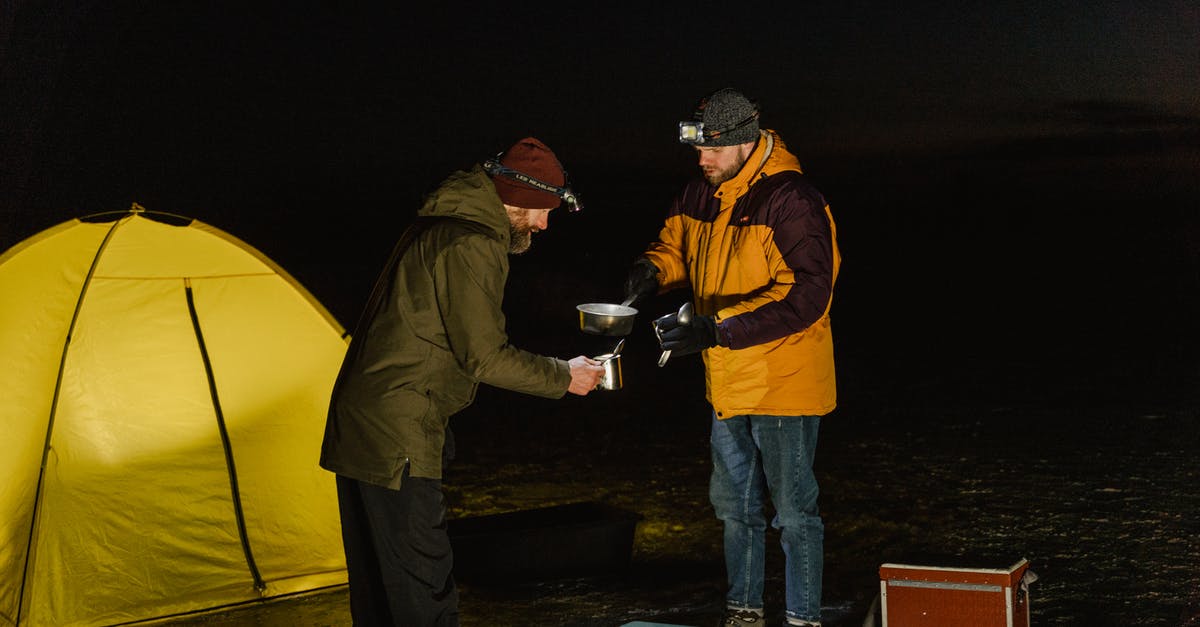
433 330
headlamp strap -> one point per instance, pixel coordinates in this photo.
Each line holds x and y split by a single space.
717 133
494 168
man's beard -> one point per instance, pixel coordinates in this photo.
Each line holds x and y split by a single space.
520 235
716 177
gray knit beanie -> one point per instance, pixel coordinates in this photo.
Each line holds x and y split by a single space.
729 118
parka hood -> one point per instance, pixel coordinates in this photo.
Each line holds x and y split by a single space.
469 195
770 156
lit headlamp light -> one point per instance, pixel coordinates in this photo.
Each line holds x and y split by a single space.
570 199
691 132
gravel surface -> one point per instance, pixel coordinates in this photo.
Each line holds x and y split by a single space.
1101 499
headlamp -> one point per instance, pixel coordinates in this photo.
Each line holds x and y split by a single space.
692 131
494 168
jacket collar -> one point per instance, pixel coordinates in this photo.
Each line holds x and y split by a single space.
769 156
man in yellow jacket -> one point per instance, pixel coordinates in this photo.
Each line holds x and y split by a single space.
758 246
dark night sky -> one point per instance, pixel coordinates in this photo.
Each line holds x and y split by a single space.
310 130
315 87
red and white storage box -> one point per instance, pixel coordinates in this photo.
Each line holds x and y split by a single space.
955 596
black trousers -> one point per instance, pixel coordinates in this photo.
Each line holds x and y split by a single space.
398 555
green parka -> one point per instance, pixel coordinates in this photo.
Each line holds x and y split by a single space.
431 332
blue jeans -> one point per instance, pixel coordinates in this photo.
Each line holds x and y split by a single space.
753 454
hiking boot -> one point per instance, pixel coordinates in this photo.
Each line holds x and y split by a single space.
743 618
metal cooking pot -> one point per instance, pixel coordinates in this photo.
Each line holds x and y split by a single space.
606 318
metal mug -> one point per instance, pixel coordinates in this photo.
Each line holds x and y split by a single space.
612 372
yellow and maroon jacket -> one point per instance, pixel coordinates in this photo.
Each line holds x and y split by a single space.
760 254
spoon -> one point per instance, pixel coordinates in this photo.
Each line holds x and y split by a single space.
615 351
684 316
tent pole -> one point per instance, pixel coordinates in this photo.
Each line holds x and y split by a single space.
37 494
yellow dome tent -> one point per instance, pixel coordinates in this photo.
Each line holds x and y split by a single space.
162 404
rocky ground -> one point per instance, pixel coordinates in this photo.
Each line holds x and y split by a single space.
1099 495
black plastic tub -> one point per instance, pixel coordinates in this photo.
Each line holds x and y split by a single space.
573 540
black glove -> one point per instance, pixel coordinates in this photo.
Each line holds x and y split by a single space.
685 339
642 281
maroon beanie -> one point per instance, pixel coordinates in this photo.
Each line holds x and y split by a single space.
532 158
